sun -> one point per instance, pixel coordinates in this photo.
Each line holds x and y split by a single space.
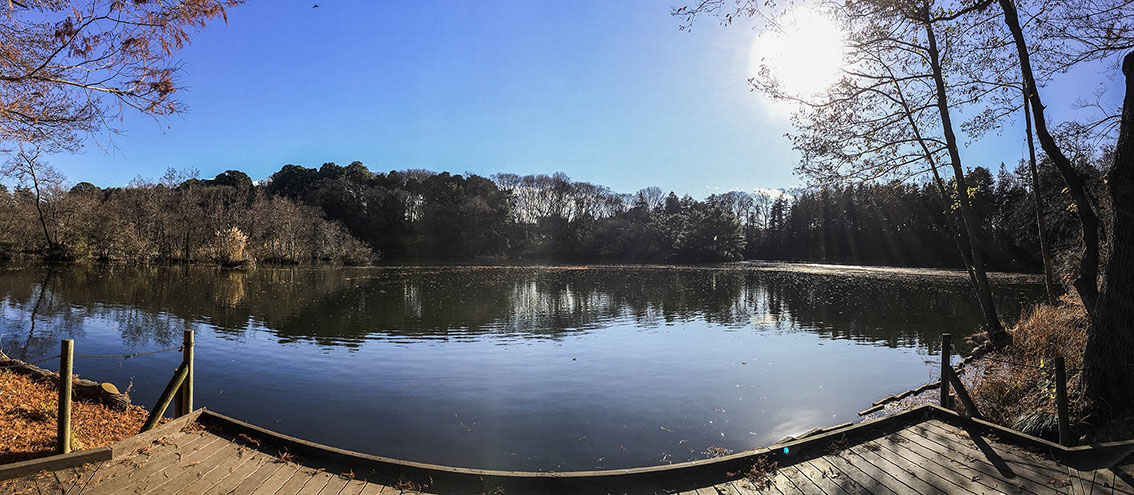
804 53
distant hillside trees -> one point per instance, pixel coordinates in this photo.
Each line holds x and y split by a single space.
178 219
352 215
905 223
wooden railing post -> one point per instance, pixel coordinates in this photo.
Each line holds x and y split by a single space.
187 360
166 397
970 406
63 434
946 367
1061 401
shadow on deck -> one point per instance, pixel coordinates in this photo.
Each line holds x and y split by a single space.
928 450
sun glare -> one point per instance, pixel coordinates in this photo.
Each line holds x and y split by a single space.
804 55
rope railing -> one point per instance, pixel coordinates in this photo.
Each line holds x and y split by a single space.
128 356
96 356
25 363
180 388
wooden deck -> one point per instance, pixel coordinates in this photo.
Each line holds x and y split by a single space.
926 451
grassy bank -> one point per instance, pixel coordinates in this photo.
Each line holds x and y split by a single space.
1015 387
28 419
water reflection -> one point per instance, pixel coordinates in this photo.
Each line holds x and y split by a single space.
510 367
343 306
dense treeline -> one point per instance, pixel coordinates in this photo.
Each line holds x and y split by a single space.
178 219
905 224
352 215
421 215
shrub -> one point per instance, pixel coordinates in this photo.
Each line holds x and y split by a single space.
231 245
1022 397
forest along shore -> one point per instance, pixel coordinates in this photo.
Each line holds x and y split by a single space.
353 216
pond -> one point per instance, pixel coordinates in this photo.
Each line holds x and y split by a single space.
511 367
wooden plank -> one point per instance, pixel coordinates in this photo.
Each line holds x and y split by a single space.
194 465
84 475
265 470
725 488
296 483
47 484
956 472
54 463
20 486
978 470
277 479
67 477
353 487
206 472
226 461
956 440
186 458
805 447
783 484
316 483
1112 482
373 489
883 472
866 475
747 487
256 460
821 479
846 483
1123 477
895 468
919 471
171 427
146 460
167 468
801 483
334 485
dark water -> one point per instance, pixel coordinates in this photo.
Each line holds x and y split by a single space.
536 368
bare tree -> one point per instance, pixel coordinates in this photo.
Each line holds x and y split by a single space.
46 185
1087 282
68 68
890 114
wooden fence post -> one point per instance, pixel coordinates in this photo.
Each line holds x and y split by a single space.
187 359
166 397
1061 401
66 366
946 352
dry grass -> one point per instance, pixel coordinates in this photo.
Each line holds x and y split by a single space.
27 419
1023 397
1047 331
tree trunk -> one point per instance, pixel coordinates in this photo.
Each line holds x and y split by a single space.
996 333
51 251
1040 224
1088 280
1108 360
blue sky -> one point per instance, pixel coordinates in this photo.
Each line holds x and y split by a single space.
608 92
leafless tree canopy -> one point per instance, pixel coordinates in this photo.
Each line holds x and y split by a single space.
69 68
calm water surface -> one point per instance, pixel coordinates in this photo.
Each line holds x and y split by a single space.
536 368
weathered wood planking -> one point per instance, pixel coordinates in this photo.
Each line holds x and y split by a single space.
927 452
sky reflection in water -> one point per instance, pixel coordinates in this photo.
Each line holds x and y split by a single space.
560 368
